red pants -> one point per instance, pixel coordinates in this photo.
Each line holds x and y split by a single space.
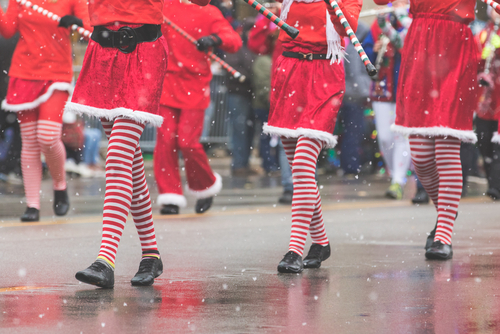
181 130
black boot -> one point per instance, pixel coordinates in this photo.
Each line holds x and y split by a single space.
286 198
99 274
169 209
149 269
317 254
203 204
421 197
439 251
291 263
61 202
31 215
493 193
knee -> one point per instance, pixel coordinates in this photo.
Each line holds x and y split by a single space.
48 139
186 144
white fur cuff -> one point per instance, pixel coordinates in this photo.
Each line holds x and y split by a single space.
210 191
327 138
172 199
496 138
62 86
463 135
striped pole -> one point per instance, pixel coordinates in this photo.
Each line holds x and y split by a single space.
50 15
226 66
495 5
357 45
291 31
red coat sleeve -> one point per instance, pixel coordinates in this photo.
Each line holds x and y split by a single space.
200 2
258 37
9 21
231 41
351 10
80 10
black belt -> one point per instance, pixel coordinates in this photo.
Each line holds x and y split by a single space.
304 56
126 39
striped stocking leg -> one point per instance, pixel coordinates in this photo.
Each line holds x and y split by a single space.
306 203
31 164
424 160
140 209
51 145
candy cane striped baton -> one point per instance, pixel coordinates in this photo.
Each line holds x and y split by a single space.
226 66
495 5
357 45
53 16
291 31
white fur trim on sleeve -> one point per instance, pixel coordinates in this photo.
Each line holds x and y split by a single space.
63 86
172 199
327 138
463 135
214 189
110 114
496 138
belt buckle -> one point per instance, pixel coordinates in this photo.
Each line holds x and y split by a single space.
127 40
306 56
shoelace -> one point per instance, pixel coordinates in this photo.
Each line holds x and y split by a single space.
146 265
290 256
98 266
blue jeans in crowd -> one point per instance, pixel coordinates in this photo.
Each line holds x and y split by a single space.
352 117
240 116
269 160
91 146
286 171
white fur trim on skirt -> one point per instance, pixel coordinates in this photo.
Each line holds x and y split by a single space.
172 199
496 138
63 86
214 189
463 135
328 139
110 114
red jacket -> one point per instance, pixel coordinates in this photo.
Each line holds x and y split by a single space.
44 49
463 9
310 19
187 83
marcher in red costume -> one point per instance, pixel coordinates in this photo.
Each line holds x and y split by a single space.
436 99
121 82
185 96
39 85
488 110
306 92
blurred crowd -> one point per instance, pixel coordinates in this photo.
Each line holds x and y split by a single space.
366 143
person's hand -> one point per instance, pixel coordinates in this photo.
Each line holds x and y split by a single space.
377 46
207 42
485 79
69 20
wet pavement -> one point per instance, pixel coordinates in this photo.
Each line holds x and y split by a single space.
220 267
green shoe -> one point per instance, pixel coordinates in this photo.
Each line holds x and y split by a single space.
395 191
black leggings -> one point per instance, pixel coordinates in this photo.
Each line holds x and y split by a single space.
490 151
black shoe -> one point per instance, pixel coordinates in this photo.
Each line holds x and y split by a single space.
286 198
493 193
31 215
99 274
203 204
439 251
421 197
169 209
317 254
149 269
61 202
430 237
291 263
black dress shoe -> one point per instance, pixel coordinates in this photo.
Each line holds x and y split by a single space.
493 193
61 202
203 204
430 237
169 209
291 263
317 254
31 215
421 197
149 269
286 198
439 251
99 274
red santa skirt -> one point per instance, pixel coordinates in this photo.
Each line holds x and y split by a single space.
437 90
25 94
305 99
114 84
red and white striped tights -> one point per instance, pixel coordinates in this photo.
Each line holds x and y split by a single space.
126 189
41 130
302 154
438 166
